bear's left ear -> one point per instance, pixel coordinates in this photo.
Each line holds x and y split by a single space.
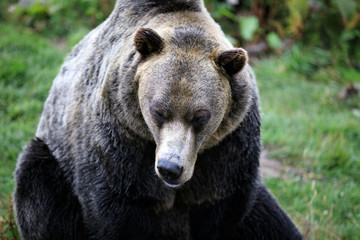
232 61
147 41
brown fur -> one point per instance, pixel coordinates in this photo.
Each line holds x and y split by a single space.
114 76
190 74
157 80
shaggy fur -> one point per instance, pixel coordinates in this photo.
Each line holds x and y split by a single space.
89 173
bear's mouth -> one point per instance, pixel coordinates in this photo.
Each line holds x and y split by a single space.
172 185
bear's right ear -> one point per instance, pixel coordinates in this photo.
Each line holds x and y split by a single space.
232 61
148 41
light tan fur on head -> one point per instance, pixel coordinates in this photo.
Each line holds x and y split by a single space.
185 92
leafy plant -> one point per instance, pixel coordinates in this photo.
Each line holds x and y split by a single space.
248 26
273 40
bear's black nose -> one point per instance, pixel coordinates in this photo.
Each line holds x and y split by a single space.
169 171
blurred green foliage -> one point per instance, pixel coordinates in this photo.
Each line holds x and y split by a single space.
60 17
332 27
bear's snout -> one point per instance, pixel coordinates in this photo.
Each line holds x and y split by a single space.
170 172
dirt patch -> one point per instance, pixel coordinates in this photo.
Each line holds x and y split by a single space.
272 168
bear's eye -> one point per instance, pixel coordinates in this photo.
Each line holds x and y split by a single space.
200 119
158 116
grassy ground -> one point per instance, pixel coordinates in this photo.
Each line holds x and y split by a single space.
28 64
303 126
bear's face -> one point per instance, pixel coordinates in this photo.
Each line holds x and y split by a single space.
184 94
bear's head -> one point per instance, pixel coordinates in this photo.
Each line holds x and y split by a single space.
191 94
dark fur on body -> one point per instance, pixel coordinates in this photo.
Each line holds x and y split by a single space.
89 174
241 213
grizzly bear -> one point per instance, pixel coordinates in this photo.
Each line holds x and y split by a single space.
151 130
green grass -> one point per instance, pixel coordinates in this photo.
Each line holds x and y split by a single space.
322 209
306 123
28 65
303 126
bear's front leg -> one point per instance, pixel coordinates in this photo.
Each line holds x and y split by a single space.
267 220
219 220
109 216
44 204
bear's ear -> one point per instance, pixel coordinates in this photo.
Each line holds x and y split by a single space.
147 41
232 61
